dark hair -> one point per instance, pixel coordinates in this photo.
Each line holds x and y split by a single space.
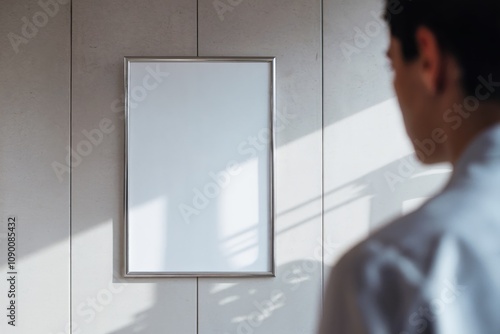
469 30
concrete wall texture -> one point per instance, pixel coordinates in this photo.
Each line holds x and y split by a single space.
343 163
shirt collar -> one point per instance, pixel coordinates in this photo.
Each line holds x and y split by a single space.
484 145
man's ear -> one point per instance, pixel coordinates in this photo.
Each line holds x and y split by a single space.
432 63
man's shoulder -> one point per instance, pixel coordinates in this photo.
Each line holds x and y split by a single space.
456 218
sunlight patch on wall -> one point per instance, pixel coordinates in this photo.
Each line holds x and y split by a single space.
147 233
364 142
239 217
101 296
299 203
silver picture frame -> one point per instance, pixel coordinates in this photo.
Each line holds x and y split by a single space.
184 89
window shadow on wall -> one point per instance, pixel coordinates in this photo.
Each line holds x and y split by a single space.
242 308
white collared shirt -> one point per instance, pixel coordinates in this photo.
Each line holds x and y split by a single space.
436 270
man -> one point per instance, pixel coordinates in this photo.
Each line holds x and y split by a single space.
436 270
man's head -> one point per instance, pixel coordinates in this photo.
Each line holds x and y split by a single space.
439 50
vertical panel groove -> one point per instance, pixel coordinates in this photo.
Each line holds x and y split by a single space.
197 306
70 166
197 28
197 55
322 153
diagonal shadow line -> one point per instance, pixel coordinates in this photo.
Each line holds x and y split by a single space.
319 214
298 224
297 207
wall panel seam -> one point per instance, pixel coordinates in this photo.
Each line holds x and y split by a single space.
322 33
70 167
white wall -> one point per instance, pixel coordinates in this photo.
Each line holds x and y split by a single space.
34 132
341 143
291 31
371 174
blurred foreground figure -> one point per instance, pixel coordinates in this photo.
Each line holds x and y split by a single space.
436 270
